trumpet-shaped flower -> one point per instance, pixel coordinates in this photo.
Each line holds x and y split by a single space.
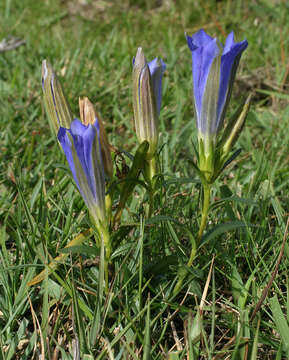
147 97
214 68
82 149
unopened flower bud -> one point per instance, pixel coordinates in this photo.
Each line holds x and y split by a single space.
57 107
147 95
88 116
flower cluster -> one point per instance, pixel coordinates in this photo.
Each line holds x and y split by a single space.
88 151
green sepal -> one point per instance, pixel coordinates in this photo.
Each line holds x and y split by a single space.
229 138
206 162
231 158
233 129
221 166
195 166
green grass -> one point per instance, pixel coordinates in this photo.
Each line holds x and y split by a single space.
91 48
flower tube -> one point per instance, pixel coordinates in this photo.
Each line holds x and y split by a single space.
81 146
214 68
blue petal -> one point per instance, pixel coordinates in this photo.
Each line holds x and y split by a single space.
66 146
203 58
82 149
191 46
96 125
84 137
229 63
157 68
200 38
229 43
77 128
204 50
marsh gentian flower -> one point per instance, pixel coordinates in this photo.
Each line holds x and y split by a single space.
82 150
214 68
147 97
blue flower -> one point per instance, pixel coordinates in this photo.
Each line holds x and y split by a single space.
82 150
214 69
147 98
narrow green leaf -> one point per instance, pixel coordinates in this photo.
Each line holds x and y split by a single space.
80 249
274 93
96 322
237 284
52 266
281 323
147 337
223 228
255 343
78 320
45 309
35 192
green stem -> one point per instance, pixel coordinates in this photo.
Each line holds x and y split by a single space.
107 248
102 238
184 270
205 209
152 168
150 172
151 203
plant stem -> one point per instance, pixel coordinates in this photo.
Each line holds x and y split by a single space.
150 172
151 203
205 209
184 270
102 238
152 168
107 248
